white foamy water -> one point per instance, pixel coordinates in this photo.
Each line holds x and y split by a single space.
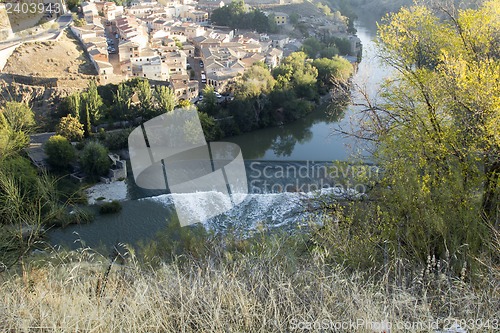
270 209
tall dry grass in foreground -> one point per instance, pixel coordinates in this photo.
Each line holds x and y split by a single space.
260 291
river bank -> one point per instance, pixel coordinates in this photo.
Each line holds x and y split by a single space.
308 139
107 192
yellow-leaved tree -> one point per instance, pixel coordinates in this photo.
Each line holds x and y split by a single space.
438 129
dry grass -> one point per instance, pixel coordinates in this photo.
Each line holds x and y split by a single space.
254 292
63 59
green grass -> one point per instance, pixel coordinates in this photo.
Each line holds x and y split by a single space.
110 207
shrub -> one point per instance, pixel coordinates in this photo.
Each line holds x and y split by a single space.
71 128
115 140
77 216
60 152
94 159
110 207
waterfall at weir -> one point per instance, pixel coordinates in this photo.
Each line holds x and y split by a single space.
276 199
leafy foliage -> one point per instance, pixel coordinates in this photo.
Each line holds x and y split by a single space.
110 207
333 70
209 103
94 159
435 130
255 81
60 152
123 100
91 104
327 47
71 128
235 15
145 96
19 116
15 121
165 99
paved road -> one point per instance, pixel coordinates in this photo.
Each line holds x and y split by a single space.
195 64
63 21
114 59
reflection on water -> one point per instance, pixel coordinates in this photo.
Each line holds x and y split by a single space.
287 142
309 139
314 137
138 220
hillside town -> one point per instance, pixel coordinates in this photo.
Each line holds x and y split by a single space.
250 166
176 44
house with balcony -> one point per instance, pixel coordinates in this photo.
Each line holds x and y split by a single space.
175 61
274 57
280 18
110 10
127 50
183 88
155 69
203 42
196 16
222 78
279 41
90 12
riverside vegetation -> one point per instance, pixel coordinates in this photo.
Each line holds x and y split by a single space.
424 246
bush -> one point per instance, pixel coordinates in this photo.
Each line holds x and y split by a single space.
110 207
71 128
77 216
60 152
115 140
71 192
22 171
94 159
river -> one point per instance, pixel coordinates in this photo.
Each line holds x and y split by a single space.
312 138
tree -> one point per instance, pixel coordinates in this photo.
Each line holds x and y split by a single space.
123 99
222 16
73 105
78 22
244 115
165 99
329 52
325 9
294 18
211 129
70 128
343 45
184 103
145 96
435 132
95 160
311 46
235 15
336 69
22 172
87 125
19 116
209 104
255 81
72 4
60 152
11 141
298 73
91 103
261 22
237 7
